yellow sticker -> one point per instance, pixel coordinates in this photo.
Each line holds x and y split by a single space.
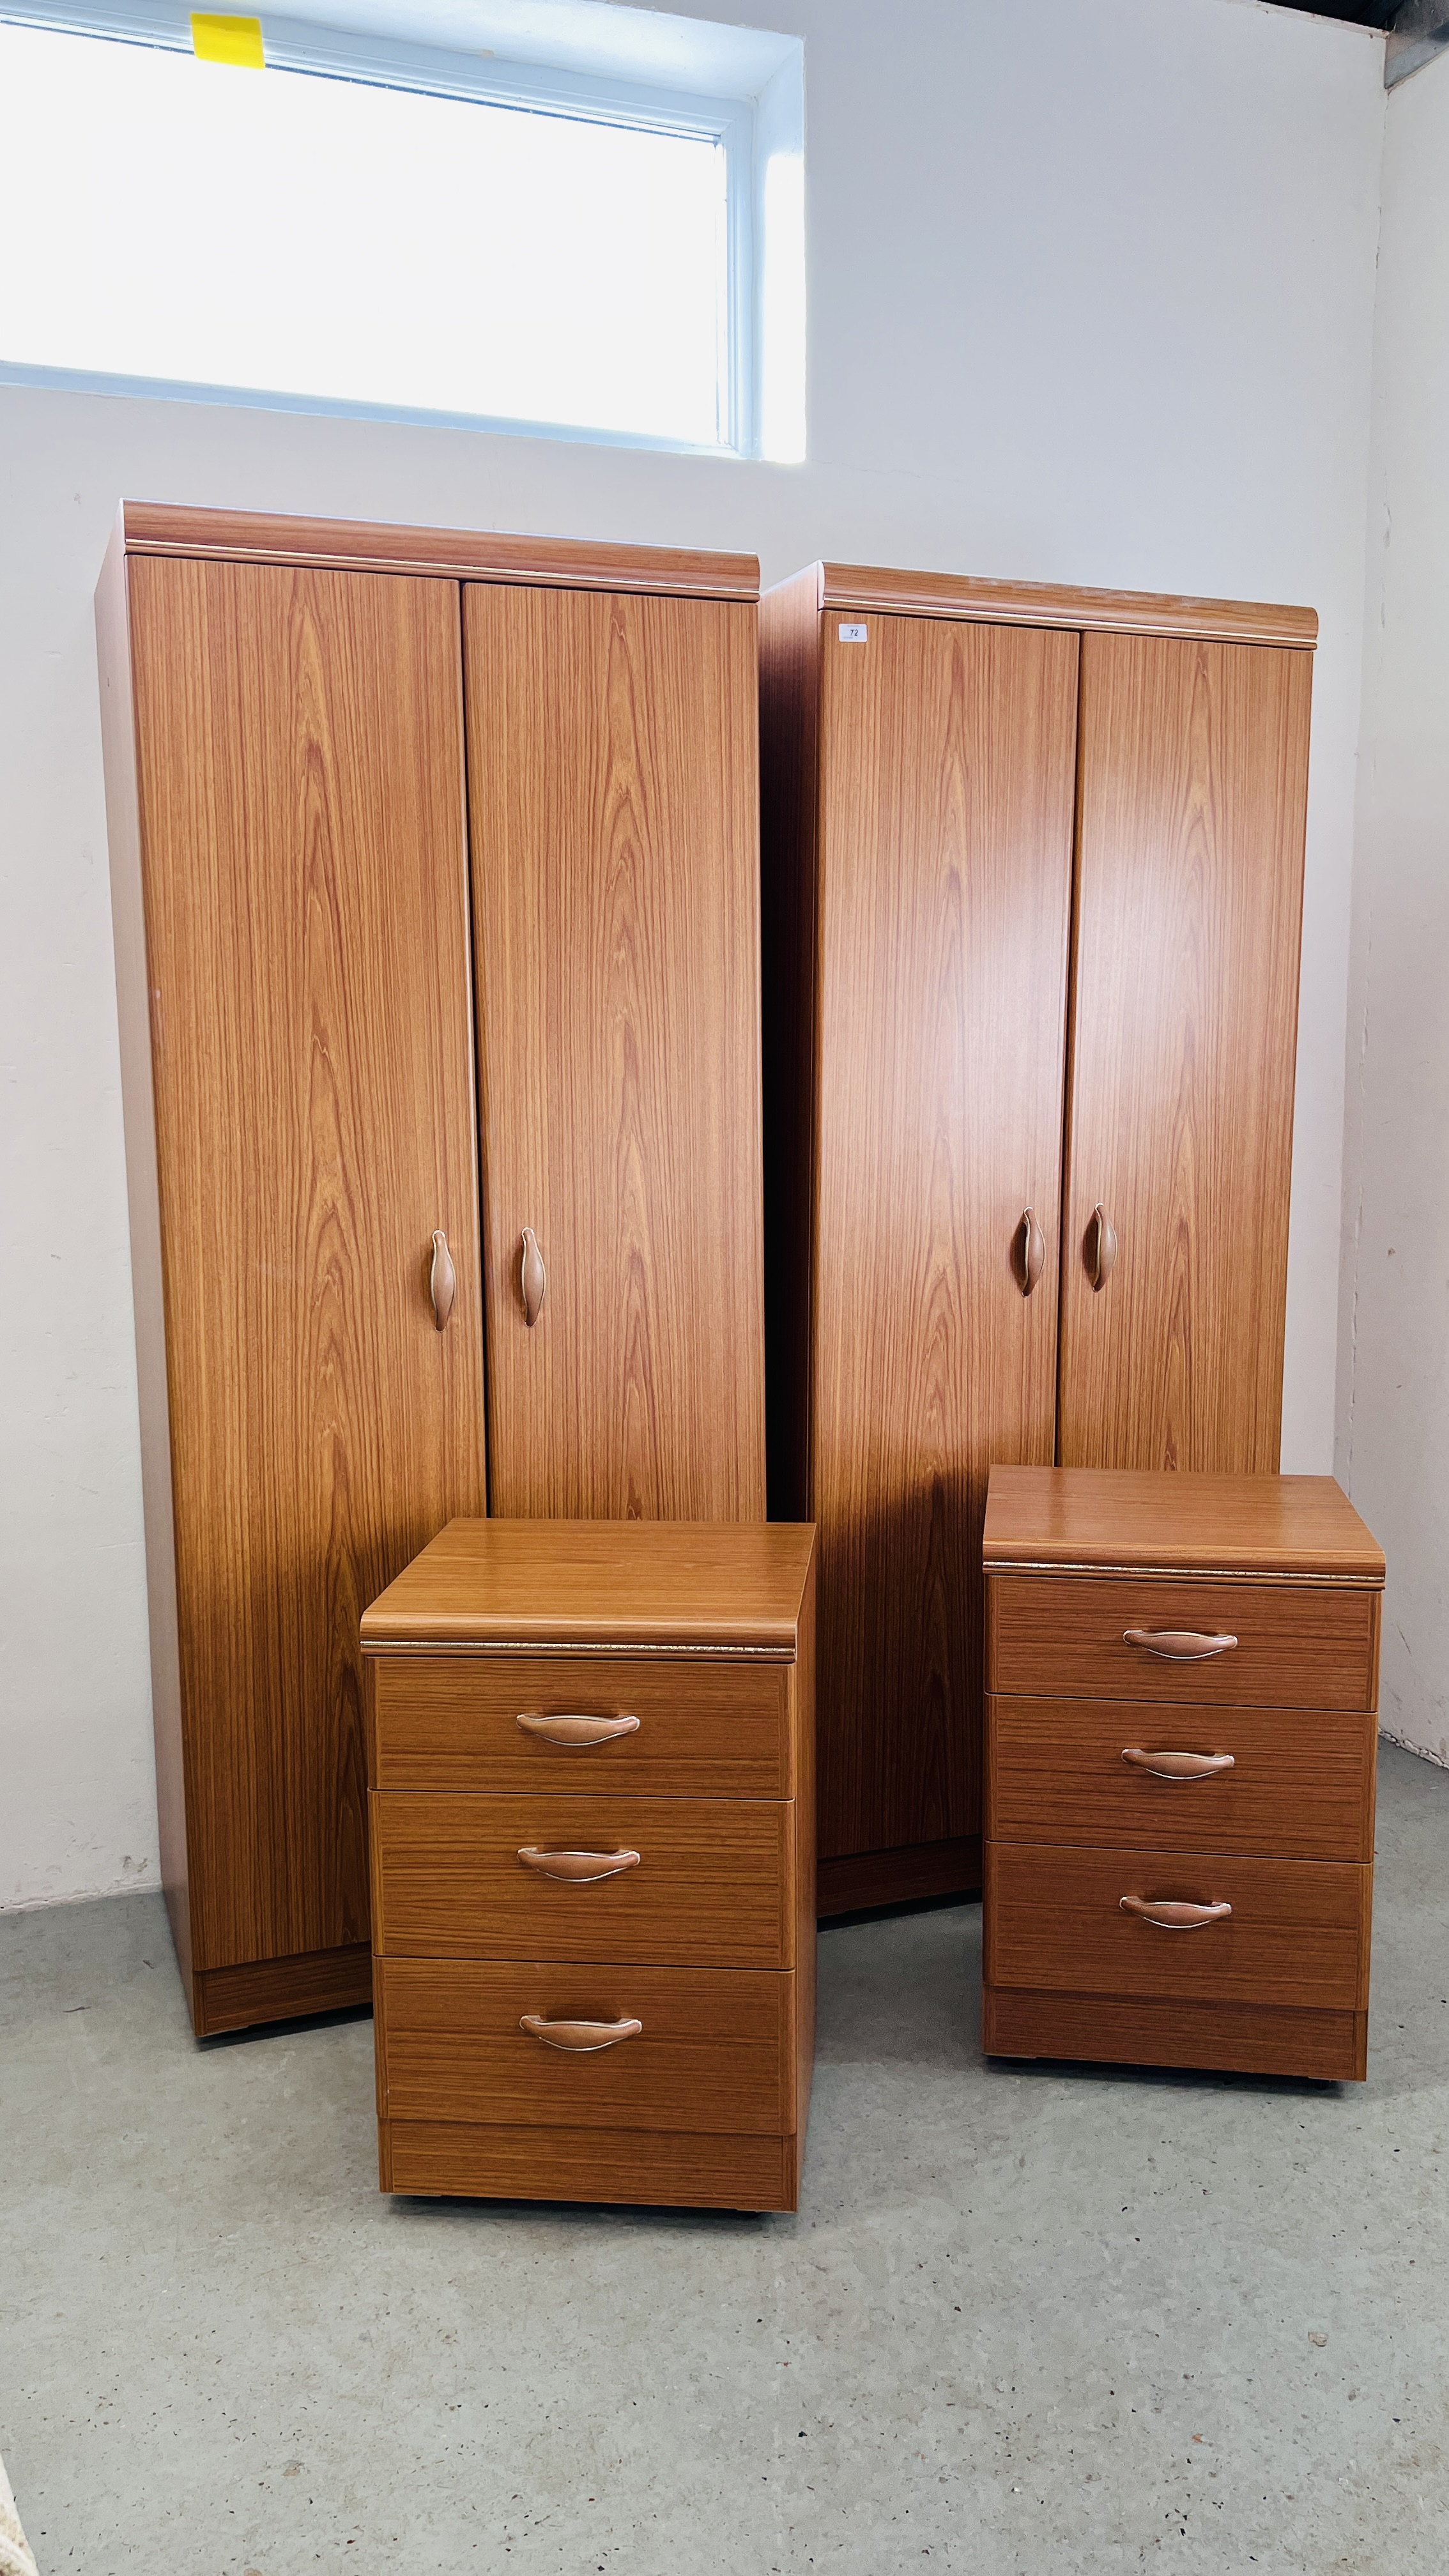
229 40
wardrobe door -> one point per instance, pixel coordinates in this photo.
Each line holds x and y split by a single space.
613 803
946 769
299 748
1190 879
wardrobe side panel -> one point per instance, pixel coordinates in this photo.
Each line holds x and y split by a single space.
133 1013
789 712
299 736
947 781
613 799
1190 886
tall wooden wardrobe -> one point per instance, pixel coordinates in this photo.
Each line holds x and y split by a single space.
436 895
1032 868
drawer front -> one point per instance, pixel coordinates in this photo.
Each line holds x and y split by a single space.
714 2054
1298 1933
1298 1645
653 2168
708 1726
713 1886
1301 1782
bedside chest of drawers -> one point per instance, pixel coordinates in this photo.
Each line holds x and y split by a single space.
591 1766
1182 1680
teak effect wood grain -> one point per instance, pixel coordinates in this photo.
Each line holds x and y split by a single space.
1298 1645
708 1728
1298 1934
612 790
652 2167
300 770
1194 766
1138 2030
1289 1528
714 1888
716 2054
581 1584
1302 1781
946 784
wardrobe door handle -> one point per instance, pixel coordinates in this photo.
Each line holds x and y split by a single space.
1177 1645
579 1868
533 1277
1102 1252
1177 1766
442 1280
580 2038
1031 1252
577 1731
1174 1913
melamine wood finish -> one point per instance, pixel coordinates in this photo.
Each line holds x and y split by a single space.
1273 1528
709 1727
861 1881
1299 1646
863 590
698 1587
714 1886
1252 2039
612 797
946 769
1193 763
1298 1934
265 1990
300 793
462 554
1302 1779
445 2157
716 2055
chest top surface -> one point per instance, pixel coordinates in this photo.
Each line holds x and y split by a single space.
1100 1520
695 1584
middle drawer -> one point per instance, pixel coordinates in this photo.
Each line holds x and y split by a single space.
1299 1782
713 1884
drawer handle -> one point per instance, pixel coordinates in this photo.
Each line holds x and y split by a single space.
1174 1913
1177 1766
576 1730
580 2038
579 1868
1177 1645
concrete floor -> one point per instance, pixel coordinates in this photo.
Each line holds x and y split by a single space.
1028 2322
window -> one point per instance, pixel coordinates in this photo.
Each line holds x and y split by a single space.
379 225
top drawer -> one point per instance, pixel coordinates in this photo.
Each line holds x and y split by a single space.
1298 1645
707 1726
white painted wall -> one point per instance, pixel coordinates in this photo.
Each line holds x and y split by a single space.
1393 1446
1091 300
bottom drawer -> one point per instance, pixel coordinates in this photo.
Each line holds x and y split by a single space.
675 2169
1297 1934
714 2053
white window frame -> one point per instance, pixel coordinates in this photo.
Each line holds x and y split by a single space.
746 128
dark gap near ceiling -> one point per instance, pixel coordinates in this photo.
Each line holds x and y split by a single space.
1362 13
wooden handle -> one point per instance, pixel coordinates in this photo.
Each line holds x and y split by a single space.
1177 1766
533 1277
580 2038
1101 1249
1174 1913
1177 1645
1030 1252
578 1867
442 1280
576 1731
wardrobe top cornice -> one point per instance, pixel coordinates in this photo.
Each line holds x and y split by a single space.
463 554
1028 603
